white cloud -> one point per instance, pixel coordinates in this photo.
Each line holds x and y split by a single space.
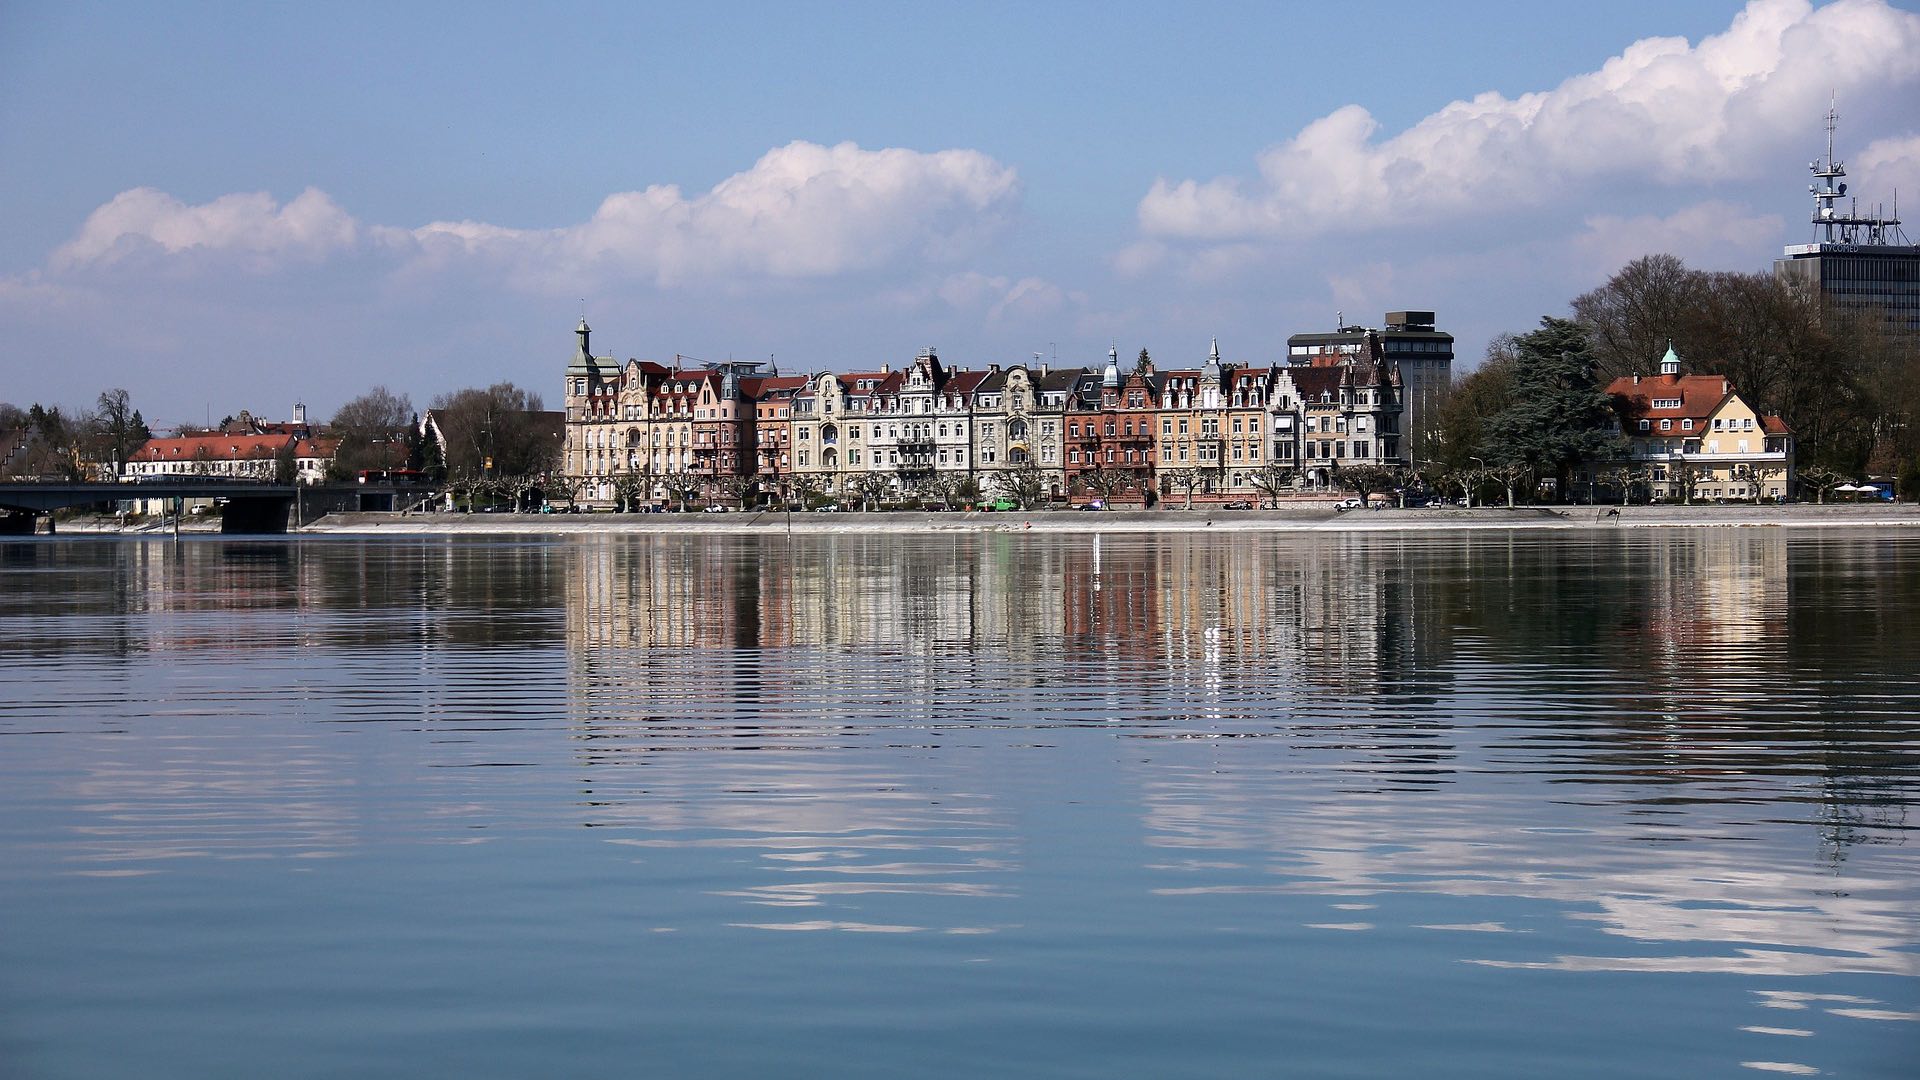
801 211
1662 110
1888 166
308 226
1707 235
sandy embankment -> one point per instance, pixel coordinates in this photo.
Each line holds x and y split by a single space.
1130 521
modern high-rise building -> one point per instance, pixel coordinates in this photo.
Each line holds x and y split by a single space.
1423 354
1856 259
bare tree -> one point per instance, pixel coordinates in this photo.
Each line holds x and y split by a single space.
118 426
501 429
1822 479
1625 477
1512 475
1365 480
1272 481
1024 484
681 486
740 488
1105 483
373 431
805 489
871 488
1651 299
630 489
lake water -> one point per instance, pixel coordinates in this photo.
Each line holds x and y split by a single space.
1547 804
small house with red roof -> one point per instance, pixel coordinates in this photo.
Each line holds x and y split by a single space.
1693 437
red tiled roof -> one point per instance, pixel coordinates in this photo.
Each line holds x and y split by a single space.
1697 395
217 447
965 382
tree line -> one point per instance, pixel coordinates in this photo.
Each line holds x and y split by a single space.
488 432
1844 379
51 441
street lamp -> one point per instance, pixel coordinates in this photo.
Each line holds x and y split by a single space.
1483 468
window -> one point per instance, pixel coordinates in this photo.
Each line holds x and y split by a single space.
1666 425
1646 425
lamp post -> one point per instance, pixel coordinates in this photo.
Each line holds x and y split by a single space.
1483 468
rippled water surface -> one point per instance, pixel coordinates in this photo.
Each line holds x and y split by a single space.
1529 805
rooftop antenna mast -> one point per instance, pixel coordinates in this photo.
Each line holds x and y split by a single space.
1833 226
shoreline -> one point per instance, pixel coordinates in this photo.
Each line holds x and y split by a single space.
1128 521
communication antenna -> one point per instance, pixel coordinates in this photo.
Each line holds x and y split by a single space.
1848 226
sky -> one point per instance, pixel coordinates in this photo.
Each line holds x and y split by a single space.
221 207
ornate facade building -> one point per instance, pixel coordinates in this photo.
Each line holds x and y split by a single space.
640 432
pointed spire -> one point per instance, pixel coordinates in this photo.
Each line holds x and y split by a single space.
583 355
1214 354
1111 377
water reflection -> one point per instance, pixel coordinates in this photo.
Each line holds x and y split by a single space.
1644 753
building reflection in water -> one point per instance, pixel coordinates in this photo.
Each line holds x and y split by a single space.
1563 718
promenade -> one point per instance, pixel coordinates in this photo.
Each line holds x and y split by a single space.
1134 521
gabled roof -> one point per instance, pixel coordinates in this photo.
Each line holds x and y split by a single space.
1680 397
964 382
1694 397
756 387
1313 380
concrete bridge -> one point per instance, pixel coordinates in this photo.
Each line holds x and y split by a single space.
251 507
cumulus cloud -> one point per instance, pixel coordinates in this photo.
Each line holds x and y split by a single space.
1662 109
1710 235
802 211
308 226
1889 166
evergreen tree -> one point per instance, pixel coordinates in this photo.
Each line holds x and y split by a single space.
1558 415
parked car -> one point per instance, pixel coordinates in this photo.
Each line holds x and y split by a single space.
1240 505
716 509
1348 504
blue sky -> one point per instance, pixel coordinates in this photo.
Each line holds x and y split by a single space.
237 207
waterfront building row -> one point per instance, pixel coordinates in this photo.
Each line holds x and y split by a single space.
1216 432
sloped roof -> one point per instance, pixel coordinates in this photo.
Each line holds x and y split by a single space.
217 447
1695 396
